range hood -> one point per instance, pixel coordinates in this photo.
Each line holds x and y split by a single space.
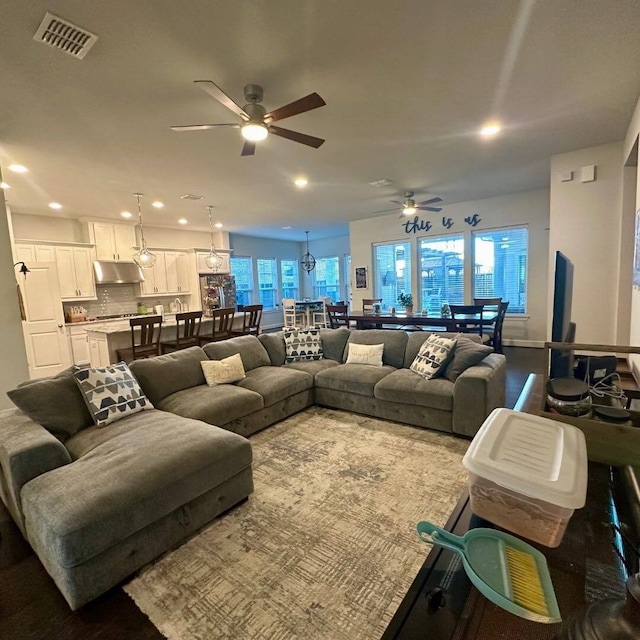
108 272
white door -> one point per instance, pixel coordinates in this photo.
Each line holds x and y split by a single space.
125 240
44 334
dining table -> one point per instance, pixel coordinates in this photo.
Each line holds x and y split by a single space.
366 319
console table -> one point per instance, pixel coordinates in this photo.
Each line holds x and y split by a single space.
442 604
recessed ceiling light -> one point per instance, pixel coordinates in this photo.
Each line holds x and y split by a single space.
218 225
490 129
183 221
4 185
55 205
126 214
157 204
301 182
18 168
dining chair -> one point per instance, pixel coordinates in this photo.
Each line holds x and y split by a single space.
468 318
338 315
187 332
145 339
292 318
495 332
367 303
250 320
221 325
319 315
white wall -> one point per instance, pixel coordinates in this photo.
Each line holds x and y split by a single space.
586 225
162 238
30 227
529 208
13 357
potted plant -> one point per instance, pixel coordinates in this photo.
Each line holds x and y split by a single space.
406 300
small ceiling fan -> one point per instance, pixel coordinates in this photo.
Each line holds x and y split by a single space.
256 122
410 206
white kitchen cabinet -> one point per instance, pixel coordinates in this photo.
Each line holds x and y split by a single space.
155 278
225 267
177 268
98 350
75 273
35 253
114 241
78 345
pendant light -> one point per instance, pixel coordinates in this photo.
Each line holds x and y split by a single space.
307 261
143 258
213 259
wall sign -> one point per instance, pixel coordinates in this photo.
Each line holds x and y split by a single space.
416 225
361 277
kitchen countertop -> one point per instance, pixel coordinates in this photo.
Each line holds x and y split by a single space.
99 321
122 324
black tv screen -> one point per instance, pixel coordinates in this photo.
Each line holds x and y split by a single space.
562 329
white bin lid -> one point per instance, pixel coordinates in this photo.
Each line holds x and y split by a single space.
531 455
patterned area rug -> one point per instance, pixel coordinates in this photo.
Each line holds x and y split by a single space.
325 548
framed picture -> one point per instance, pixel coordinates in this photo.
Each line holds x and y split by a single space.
636 253
361 277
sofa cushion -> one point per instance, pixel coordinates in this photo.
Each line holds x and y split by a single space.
433 357
111 393
333 343
352 378
370 354
128 482
56 403
395 343
417 338
251 351
302 344
217 405
312 366
276 383
466 354
408 387
274 344
163 375
223 371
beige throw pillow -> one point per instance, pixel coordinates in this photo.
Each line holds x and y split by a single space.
365 354
223 371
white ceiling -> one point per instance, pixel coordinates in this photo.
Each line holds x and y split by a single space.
407 85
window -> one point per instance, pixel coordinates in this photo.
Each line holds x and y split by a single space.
392 272
290 280
500 266
326 283
242 269
267 282
441 272
347 279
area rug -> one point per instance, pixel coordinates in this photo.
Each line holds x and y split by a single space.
326 546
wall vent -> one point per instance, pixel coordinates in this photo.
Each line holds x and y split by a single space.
61 34
191 196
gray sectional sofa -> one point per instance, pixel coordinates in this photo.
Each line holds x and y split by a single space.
98 503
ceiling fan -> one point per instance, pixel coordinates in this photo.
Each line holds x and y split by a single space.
410 206
256 122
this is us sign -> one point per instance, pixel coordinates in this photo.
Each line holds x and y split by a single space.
416 225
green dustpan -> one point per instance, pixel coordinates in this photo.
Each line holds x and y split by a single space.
509 572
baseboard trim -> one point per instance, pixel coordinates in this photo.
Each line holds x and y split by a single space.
533 344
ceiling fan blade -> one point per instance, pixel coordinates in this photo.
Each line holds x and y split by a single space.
216 92
396 202
430 201
303 138
386 210
201 127
312 101
434 209
248 149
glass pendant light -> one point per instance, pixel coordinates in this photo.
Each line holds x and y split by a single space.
307 261
213 259
143 258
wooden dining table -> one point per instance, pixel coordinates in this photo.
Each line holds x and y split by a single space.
373 320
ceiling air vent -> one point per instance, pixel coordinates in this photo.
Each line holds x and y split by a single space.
384 182
63 35
191 196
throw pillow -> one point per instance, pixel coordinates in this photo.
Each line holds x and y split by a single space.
370 354
302 344
111 393
467 354
433 356
223 371
55 403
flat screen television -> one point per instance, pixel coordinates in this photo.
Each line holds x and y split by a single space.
562 329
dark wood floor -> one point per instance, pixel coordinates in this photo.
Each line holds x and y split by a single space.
32 608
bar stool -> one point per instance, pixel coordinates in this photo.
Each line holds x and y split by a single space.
250 321
319 316
221 324
148 343
291 317
189 323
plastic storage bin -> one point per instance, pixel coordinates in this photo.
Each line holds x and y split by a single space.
527 474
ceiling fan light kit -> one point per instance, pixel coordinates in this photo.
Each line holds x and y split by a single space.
143 258
256 122
409 206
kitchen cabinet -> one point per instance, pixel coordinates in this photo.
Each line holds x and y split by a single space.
155 278
98 350
75 273
114 241
225 267
78 345
169 275
35 253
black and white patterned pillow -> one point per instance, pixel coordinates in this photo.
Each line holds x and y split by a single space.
433 357
111 393
302 344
